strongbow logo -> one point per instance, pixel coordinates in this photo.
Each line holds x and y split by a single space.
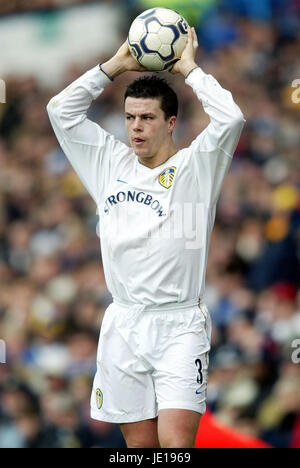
166 177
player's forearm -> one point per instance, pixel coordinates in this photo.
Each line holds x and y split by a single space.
70 107
217 102
85 143
113 67
187 67
226 118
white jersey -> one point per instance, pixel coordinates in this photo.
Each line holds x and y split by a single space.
155 224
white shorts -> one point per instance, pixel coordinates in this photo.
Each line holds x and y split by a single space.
151 359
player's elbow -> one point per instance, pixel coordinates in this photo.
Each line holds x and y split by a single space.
238 119
231 131
236 123
52 107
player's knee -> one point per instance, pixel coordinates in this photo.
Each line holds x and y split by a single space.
177 441
142 434
142 442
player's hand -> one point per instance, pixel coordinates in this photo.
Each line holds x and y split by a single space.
121 62
187 59
127 60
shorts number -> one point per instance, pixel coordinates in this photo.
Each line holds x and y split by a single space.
199 367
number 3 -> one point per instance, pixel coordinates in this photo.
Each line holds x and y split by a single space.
199 367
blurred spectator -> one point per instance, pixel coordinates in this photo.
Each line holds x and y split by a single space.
12 6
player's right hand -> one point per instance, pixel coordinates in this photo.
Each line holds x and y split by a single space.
121 62
127 60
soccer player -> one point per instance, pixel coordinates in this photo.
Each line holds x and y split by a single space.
156 209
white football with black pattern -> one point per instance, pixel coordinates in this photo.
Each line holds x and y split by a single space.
157 38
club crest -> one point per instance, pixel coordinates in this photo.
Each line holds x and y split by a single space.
99 398
167 176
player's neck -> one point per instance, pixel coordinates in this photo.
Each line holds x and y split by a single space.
160 157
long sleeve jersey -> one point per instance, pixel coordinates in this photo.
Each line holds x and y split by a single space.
155 224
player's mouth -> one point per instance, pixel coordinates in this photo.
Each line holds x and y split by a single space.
138 141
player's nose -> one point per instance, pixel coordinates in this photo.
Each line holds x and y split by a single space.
137 124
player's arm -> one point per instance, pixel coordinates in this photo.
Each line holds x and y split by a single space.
226 118
211 152
121 62
88 147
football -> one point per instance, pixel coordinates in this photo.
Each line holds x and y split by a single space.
157 38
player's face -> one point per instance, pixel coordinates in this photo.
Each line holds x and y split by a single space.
147 129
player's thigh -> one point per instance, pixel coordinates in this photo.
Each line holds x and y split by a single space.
123 390
177 428
181 374
142 434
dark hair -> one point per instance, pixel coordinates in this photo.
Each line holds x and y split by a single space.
155 87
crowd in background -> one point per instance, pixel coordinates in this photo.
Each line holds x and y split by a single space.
20 6
52 288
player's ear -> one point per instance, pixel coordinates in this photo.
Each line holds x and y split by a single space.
172 123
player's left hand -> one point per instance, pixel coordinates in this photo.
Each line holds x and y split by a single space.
187 59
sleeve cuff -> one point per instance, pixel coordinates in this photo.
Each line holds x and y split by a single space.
194 76
104 73
94 81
